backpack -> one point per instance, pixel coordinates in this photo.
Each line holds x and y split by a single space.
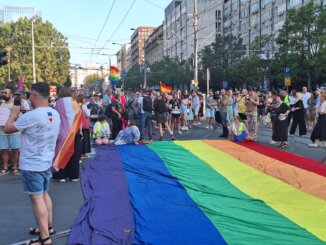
108 111
147 104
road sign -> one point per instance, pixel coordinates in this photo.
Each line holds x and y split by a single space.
287 72
287 81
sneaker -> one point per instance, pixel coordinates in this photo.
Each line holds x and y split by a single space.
62 180
207 127
211 127
186 128
291 135
272 142
74 180
189 127
313 145
4 172
179 132
183 128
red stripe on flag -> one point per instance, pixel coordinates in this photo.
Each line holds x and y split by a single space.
292 159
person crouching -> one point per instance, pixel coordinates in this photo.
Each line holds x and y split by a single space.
101 131
238 131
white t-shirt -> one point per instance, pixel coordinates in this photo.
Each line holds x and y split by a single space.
305 97
40 129
140 102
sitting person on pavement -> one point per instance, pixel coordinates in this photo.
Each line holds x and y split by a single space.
101 131
129 135
238 131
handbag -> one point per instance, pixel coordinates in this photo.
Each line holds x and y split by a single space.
282 117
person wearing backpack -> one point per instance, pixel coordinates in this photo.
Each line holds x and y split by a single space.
145 107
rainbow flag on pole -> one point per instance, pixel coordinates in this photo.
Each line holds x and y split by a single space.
114 74
201 192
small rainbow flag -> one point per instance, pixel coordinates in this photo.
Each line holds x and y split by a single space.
114 74
165 88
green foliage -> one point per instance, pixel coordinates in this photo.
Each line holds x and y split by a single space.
302 45
51 55
169 71
90 79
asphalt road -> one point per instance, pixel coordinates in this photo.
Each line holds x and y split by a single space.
16 214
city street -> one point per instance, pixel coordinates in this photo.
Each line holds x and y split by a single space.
16 216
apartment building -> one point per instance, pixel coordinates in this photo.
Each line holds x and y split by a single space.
154 46
11 13
178 26
124 58
138 39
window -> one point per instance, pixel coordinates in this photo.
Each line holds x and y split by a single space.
219 14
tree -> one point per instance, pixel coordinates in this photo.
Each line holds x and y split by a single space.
302 44
223 58
51 52
90 79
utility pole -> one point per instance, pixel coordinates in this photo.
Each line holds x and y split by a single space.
196 41
145 71
33 53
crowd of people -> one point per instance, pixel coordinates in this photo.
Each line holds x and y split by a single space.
137 116
33 125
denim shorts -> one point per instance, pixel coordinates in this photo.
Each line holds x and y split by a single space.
10 142
36 183
210 113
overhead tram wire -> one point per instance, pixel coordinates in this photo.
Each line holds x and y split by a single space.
121 22
106 20
154 4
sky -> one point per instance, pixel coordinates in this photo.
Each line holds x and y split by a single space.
81 22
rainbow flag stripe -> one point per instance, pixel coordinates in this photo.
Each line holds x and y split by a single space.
205 192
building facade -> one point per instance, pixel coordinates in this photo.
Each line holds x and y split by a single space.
78 74
137 48
247 19
13 13
178 26
154 46
124 58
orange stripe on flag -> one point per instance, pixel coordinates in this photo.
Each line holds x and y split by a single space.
67 148
165 88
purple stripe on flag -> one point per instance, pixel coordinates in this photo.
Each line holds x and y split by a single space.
106 216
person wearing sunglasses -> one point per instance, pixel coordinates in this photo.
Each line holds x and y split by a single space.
8 142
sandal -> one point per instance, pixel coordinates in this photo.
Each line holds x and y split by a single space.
36 231
15 172
4 171
284 146
40 240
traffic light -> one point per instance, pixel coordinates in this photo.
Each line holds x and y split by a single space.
3 62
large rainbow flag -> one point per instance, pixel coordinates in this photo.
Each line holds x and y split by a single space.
201 192
114 74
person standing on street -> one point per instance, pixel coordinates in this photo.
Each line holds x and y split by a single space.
305 96
224 112
39 129
298 117
8 142
252 115
145 108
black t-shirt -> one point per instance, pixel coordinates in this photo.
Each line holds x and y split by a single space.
160 106
117 106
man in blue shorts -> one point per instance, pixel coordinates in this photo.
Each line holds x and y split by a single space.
39 130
